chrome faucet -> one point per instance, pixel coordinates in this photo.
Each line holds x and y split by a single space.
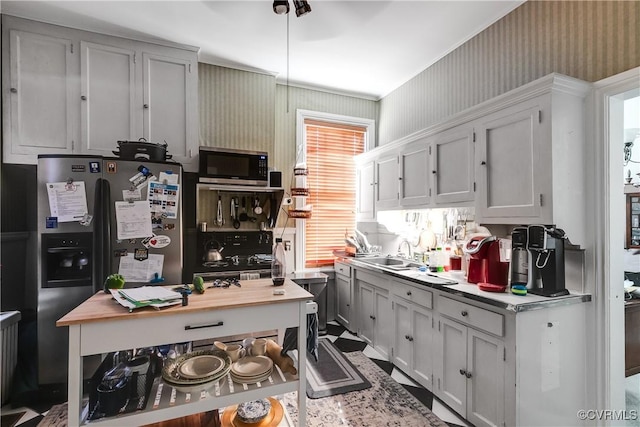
404 254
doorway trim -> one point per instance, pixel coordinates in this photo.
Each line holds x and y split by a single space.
608 225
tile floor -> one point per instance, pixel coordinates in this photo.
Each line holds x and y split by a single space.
348 342
344 340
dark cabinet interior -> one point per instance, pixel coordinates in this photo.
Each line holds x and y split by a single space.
633 221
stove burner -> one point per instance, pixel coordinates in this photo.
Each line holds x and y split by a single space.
215 264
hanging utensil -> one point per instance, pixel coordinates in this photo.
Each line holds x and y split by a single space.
219 218
243 214
234 213
236 221
256 206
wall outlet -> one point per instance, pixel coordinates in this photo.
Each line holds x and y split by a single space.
287 201
287 245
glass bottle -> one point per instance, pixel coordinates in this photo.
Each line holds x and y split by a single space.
439 259
278 263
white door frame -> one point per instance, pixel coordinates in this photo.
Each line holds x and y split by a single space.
608 219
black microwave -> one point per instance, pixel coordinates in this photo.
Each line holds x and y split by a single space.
229 166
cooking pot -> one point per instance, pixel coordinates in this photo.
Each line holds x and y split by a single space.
142 150
212 251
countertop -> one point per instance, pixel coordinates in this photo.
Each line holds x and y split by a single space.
504 300
102 306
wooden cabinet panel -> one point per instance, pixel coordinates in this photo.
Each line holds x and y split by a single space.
415 179
42 101
453 169
366 191
108 97
633 220
632 338
508 164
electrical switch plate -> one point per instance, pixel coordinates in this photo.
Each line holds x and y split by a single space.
287 201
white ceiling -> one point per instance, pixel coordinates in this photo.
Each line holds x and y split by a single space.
368 48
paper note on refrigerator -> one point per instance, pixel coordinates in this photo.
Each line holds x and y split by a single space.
133 220
134 270
67 200
164 198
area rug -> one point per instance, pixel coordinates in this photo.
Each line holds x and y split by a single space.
56 417
333 373
385 403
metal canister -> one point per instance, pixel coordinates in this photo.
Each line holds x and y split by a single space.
203 226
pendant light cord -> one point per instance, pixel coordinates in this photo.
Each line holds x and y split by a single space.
287 63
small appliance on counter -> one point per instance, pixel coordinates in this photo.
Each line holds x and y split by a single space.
546 246
519 257
485 265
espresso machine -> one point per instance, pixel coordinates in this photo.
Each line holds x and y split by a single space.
546 246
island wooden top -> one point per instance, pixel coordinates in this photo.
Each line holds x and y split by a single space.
102 306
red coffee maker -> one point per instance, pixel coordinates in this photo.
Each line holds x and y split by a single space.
484 263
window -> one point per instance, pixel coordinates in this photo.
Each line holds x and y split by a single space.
328 146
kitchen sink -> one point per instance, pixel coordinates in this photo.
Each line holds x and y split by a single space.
392 263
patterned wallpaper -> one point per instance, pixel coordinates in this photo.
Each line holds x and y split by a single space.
236 108
589 40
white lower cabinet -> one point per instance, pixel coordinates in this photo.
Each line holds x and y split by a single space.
492 365
343 294
469 374
374 312
413 340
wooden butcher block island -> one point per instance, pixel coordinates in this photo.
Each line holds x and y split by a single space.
100 325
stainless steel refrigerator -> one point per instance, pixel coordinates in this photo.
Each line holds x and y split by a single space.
98 216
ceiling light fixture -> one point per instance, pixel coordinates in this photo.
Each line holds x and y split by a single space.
281 7
302 7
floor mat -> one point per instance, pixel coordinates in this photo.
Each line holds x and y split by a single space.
333 373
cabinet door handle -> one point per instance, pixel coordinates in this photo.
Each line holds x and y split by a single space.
372 317
433 172
211 325
410 338
467 374
409 293
406 337
347 305
83 97
146 106
483 163
14 90
464 313
462 372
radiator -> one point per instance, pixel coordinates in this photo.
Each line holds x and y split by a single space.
9 355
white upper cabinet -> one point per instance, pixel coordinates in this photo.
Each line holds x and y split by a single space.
76 92
509 164
386 179
108 97
170 103
530 165
453 171
38 93
415 176
366 210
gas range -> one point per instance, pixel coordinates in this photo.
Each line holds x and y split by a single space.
244 254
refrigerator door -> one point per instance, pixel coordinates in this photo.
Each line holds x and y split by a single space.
128 180
66 254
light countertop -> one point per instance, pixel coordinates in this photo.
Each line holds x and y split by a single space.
505 300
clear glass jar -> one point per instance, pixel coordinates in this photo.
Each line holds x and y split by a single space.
278 263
